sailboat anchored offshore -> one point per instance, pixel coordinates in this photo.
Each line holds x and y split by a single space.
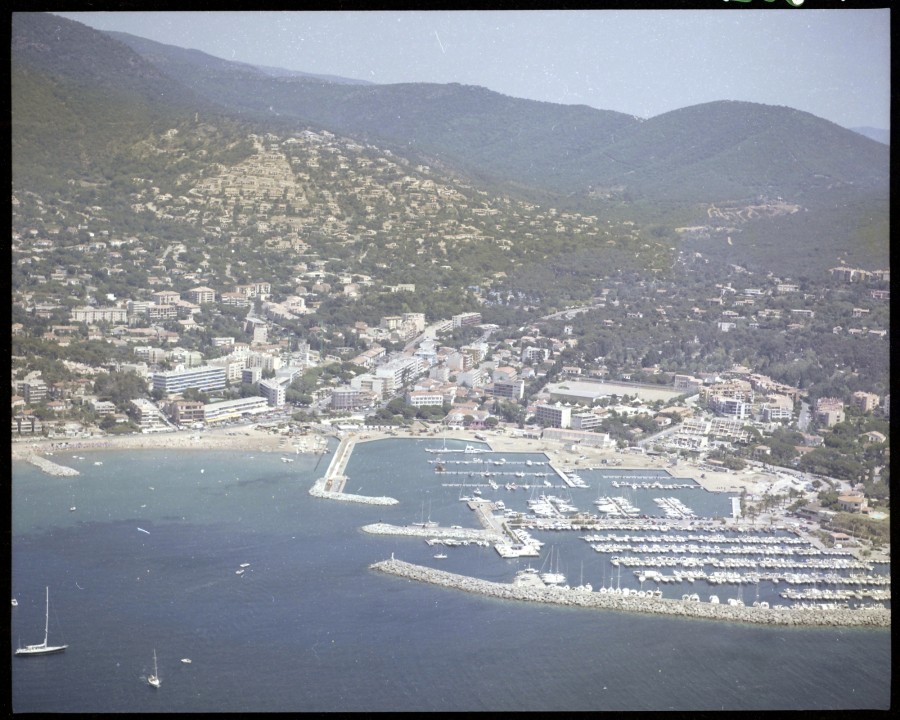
154 678
43 648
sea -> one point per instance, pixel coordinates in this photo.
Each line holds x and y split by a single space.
142 553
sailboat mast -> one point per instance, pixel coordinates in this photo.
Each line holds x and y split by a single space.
47 617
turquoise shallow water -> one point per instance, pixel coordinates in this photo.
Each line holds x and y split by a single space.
308 627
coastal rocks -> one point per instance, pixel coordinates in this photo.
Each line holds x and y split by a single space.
862 617
50 467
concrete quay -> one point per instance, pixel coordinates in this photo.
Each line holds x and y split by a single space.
50 467
779 615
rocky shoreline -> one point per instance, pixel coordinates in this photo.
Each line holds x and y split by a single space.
779 615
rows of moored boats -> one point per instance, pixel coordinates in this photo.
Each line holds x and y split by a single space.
708 537
550 506
683 548
737 562
674 508
656 485
454 542
616 507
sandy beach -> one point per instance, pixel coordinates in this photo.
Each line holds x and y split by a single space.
215 439
268 440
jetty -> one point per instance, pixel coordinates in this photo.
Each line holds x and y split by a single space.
50 467
781 615
331 485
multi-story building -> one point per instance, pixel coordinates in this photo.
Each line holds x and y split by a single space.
829 411
778 407
234 409
585 420
512 389
201 295
345 397
556 415
370 384
391 322
34 391
535 354
103 407
252 290
165 297
233 367
147 416
400 370
206 377
687 383
93 315
468 318
478 351
185 412
425 398
251 375
273 391
416 320
734 389
504 373
730 407
864 401
162 312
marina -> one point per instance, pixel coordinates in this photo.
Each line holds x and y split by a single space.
669 545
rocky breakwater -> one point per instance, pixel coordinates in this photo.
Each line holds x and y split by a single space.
318 490
50 467
779 615
428 531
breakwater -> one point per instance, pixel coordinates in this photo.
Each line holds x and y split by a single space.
778 615
331 485
50 467
427 531
318 490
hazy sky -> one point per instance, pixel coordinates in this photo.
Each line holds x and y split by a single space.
832 63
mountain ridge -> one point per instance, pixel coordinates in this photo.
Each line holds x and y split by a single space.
669 169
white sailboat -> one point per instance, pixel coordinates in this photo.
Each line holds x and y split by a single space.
553 576
154 678
43 648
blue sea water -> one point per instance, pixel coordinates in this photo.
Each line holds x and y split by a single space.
308 627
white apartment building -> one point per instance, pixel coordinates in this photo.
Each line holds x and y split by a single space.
423 398
395 371
556 415
93 315
201 295
234 409
273 391
206 377
469 318
148 416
